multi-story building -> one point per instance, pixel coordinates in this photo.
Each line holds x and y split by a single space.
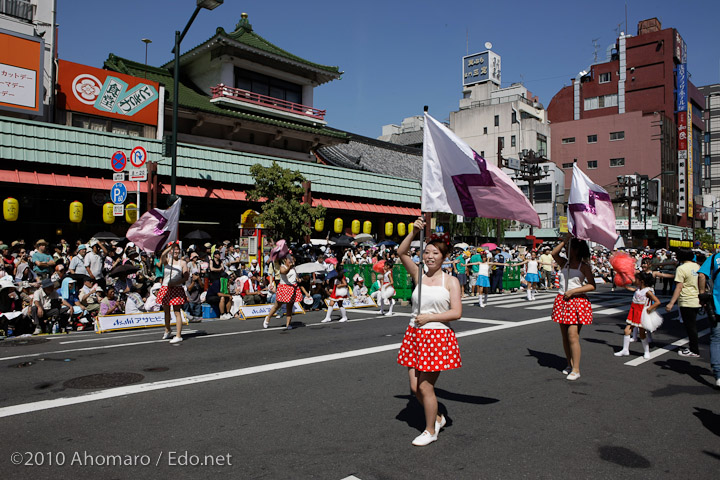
27 68
636 112
711 152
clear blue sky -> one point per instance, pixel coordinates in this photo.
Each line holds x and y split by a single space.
397 55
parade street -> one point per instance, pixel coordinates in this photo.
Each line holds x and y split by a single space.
328 401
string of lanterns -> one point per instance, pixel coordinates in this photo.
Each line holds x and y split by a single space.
355 227
11 211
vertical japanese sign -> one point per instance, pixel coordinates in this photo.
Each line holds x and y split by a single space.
21 73
684 134
690 166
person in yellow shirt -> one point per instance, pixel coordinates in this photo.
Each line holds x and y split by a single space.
687 297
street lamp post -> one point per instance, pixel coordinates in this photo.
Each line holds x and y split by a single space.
209 5
146 41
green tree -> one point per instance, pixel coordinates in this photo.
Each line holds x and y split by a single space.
476 227
281 191
705 239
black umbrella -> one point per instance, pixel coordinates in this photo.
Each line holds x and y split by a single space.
387 243
342 241
123 269
106 236
197 235
79 277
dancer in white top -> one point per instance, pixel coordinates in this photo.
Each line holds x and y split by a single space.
531 275
429 345
387 289
643 293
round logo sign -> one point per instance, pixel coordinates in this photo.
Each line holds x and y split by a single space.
138 156
118 161
86 88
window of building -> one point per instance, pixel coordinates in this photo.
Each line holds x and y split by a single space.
617 162
592 138
485 130
592 164
604 101
605 77
513 118
567 165
501 142
497 120
541 146
617 136
512 141
568 140
268 86
107 125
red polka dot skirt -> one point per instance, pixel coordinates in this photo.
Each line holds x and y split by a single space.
285 293
635 314
575 311
429 350
171 296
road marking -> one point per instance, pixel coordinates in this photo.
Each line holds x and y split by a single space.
210 377
481 320
663 350
600 305
113 337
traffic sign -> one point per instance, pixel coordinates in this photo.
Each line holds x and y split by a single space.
138 156
118 210
118 193
118 161
139 175
118 176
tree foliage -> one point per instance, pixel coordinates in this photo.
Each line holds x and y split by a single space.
282 211
705 239
476 227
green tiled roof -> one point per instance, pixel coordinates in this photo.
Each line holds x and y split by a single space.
194 100
49 144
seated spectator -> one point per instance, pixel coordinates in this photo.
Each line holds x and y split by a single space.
251 291
134 302
306 285
12 319
59 274
48 307
42 263
110 304
88 296
151 304
218 299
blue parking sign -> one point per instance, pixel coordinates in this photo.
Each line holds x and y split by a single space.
118 193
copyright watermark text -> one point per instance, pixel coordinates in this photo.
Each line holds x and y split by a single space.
92 459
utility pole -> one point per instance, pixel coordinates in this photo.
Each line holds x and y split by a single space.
531 171
501 164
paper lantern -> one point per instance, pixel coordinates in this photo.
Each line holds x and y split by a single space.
355 227
367 227
11 209
131 213
108 216
411 227
388 229
76 212
319 225
401 229
338 225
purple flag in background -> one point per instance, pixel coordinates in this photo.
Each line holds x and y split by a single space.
458 180
590 212
155 228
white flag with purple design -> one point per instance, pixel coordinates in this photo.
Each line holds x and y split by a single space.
155 228
590 211
458 180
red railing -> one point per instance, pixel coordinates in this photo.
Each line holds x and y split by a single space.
223 91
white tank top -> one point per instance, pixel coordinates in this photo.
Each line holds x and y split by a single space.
435 299
640 296
386 277
290 278
532 266
484 270
172 275
575 278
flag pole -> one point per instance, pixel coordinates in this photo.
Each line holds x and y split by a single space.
421 264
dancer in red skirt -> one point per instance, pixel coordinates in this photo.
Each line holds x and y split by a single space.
172 292
288 292
643 293
429 345
572 308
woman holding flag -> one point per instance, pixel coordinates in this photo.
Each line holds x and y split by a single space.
572 308
429 345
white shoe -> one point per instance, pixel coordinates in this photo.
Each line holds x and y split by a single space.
343 319
573 376
717 383
266 322
326 320
167 335
622 353
425 438
567 370
176 340
225 316
440 424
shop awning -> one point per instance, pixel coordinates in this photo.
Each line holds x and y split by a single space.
104 184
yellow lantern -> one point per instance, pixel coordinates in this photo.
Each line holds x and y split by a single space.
76 212
388 229
319 225
411 227
108 216
11 209
131 213
367 227
401 229
338 225
355 227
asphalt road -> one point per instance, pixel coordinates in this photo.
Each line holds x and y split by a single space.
328 401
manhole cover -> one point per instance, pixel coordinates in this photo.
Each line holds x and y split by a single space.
22 342
104 380
156 369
